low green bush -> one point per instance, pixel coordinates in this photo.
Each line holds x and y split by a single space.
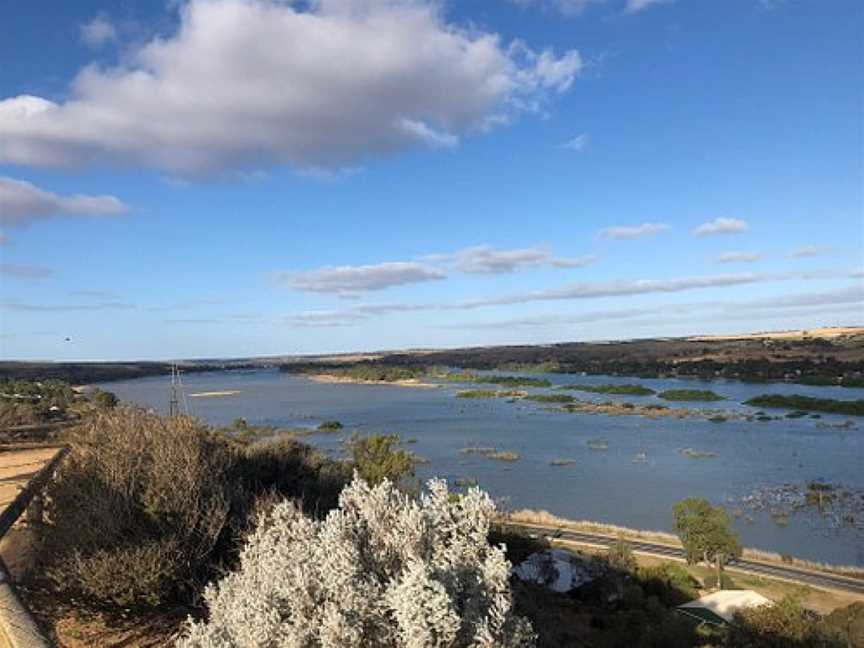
551 398
669 582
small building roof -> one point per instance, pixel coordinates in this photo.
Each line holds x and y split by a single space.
724 604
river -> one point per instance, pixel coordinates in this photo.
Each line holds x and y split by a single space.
633 482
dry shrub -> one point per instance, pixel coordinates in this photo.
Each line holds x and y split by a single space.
12 414
138 509
787 623
282 467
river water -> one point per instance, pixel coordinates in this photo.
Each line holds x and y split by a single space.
633 482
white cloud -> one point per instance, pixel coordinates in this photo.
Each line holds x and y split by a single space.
722 226
324 318
576 7
19 271
545 321
424 133
354 280
22 202
484 259
580 291
739 257
808 252
623 288
244 84
632 231
635 6
800 303
98 32
850 295
64 308
578 143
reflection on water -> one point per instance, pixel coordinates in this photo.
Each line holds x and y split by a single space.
633 480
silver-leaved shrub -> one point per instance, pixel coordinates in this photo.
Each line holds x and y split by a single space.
383 570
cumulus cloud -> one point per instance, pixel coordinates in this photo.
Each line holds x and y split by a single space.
19 271
245 84
484 259
351 281
739 257
23 202
632 231
722 226
98 32
577 143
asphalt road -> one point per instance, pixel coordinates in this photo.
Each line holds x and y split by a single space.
817 579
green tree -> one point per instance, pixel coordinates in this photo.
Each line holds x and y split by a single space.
379 457
103 400
705 533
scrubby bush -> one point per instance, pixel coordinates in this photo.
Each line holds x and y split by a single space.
669 582
848 623
378 457
285 467
102 399
620 556
383 570
137 509
786 623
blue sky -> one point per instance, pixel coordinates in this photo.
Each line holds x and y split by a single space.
215 178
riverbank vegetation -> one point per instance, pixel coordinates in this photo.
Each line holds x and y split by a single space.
551 398
358 372
623 390
148 509
477 393
809 404
750 358
705 395
31 410
504 381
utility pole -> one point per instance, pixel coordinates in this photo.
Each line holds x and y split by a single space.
173 404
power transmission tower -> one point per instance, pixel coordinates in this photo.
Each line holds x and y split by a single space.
173 404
